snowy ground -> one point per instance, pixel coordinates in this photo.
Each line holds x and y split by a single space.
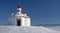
28 29
57 28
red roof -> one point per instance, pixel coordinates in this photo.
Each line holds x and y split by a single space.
19 6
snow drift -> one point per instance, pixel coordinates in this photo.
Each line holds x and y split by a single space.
26 29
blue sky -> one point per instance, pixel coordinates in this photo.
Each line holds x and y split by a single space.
40 11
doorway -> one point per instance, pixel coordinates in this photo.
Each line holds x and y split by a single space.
18 22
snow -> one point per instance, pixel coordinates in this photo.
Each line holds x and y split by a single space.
26 29
57 28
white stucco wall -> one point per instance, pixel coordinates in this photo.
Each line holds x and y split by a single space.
22 21
27 21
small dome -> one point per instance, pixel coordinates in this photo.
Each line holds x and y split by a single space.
19 6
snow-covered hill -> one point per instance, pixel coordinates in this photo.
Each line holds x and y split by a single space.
26 29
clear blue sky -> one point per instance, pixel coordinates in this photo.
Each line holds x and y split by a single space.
40 11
